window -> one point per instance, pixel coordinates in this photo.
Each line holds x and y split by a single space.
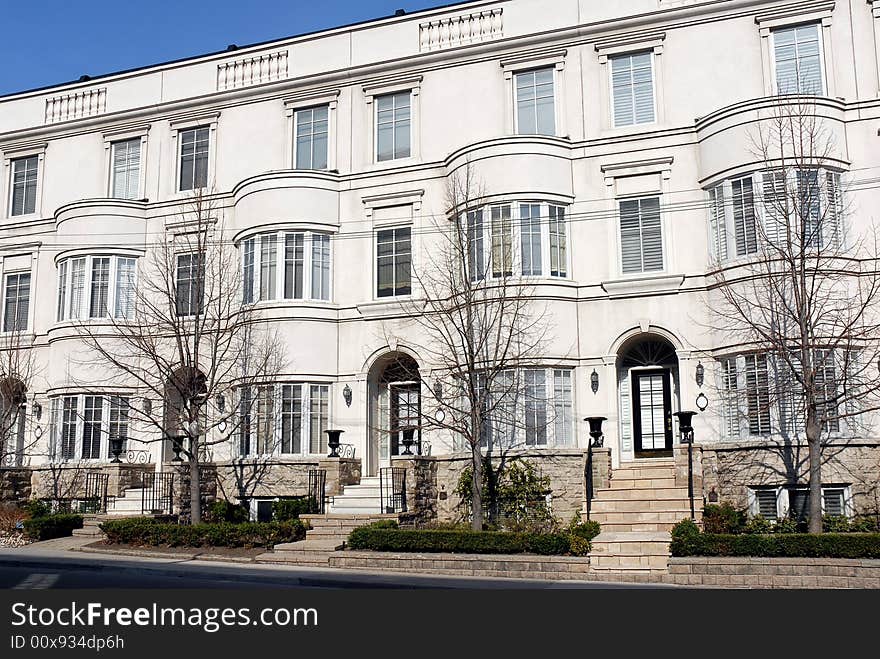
745 229
563 415
393 121
766 503
278 266
536 407
304 413
632 88
535 105
529 238
311 125
798 58
126 169
757 394
834 501
109 280
82 425
730 407
641 235
190 284
16 301
717 223
393 262
194 147
24 185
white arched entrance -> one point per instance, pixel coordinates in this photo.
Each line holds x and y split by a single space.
394 402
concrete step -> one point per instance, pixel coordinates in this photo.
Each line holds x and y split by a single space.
345 519
629 563
630 517
603 505
360 491
640 493
642 483
640 527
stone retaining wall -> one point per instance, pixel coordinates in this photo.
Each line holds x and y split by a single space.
15 485
761 572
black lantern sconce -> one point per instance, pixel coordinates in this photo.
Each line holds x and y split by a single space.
594 381
220 402
438 391
37 409
346 395
333 442
148 406
701 373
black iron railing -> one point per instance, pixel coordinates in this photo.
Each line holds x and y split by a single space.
392 489
317 491
95 500
138 456
157 494
588 476
346 451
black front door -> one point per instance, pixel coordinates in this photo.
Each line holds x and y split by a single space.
652 412
405 412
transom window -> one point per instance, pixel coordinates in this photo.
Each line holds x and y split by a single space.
96 287
286 266
393 126
126 169
632 88
535 102
16 301
287 419
23 199
311 125
83 425
528 238
194 152
797 52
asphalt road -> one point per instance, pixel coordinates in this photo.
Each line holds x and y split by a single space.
47 569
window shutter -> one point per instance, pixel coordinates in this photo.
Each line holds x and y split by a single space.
765 503
833 217
641 236
833 500
730 399
562 404
717 224
625 411
775 206
744 216
125 283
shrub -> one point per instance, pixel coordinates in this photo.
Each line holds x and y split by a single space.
758 524
864 525
825 545
288 509
147 532
47 527
38 508
723 518
226 511
586 529
11 518
835 524
788 525
686 528
464 542
579 546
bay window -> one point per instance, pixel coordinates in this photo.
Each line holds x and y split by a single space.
82 425
96 287
297 430
286 266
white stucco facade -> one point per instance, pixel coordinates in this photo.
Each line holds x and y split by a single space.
708 67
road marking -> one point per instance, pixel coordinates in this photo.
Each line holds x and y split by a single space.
37 582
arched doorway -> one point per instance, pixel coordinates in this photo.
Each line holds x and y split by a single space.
186 387
647 377
395 405
13 396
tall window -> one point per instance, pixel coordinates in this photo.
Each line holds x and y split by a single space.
393 262
190 284
558 249
502 241
126 169
563 413
393 122
297 430
530 238
476 258
96 287
194 146
757 394
16 301
536 407
535 111
641 235
730 398
798 58
82 425
24 185
311 137
744 224
280 266
632 88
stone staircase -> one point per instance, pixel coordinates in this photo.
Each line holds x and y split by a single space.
362 499
636 514
128 505
328 533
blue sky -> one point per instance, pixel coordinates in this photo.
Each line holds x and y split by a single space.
46 42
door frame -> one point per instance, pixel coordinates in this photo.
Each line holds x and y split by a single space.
394 439
636 405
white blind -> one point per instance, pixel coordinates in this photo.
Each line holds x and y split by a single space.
632 88
776 206
833 216
730 398
125 278
798 62
717 223
126 168
744 216
641 236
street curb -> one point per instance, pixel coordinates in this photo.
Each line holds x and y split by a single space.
145 553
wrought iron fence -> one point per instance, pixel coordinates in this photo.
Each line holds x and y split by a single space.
317 491
346 451
156 495
392 489
95 499
138 456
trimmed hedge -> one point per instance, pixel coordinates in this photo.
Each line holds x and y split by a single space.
285 510
52 526
461 542
146 532
687 540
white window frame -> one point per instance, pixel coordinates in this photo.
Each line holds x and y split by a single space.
628 45
412 261
635 123
785 17
57 411
383 88
110 139
13 153
663 237
85 303
304 101
280 241
516 65
820 40
305 420
30 312
180 125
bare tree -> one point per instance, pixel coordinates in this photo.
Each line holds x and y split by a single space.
477 326
17 375
187 340
804 301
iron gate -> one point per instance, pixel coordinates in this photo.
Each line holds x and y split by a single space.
156 495
317 490
95 501
392 489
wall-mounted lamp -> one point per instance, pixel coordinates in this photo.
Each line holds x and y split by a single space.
148 406
346 394
220 401
594 381
438 390
37 409
701 373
